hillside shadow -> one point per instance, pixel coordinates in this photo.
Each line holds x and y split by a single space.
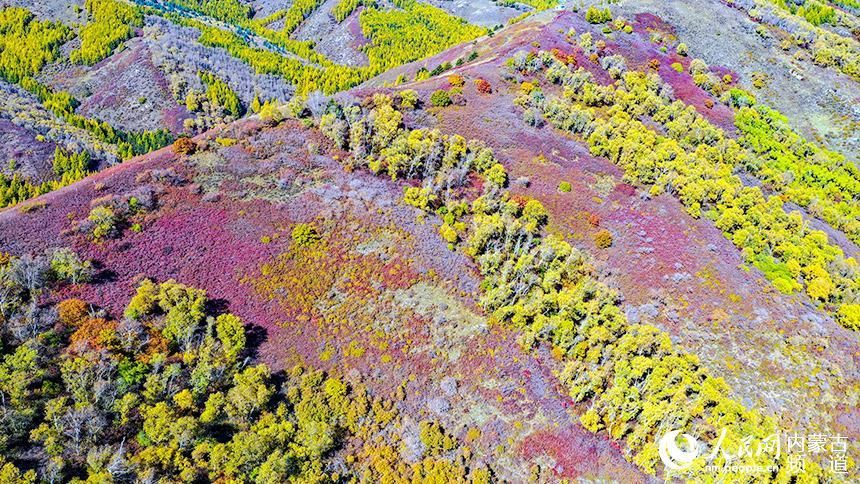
255 336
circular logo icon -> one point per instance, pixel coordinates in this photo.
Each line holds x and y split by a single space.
674 456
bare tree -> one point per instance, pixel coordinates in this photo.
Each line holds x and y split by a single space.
80 426
10 295
132 335
30 322
30 272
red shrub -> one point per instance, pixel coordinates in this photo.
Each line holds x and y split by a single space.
483 86
520 200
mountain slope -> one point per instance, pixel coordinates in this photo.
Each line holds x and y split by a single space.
293 233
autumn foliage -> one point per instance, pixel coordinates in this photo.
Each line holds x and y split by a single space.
72 312
603 239
184 146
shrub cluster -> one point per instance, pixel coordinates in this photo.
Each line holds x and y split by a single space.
595 15
110 215
440 98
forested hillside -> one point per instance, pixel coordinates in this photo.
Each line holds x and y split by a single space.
429 241
124 78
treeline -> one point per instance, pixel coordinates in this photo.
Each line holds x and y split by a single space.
398 36
15 189
27 44
304 77
344 8
278 42
111 23
297 13
167 393
271 18
852 6
821 181
813 11
68 168
128 144
63 105
230 11
415 31
696 163
634 381
134 143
